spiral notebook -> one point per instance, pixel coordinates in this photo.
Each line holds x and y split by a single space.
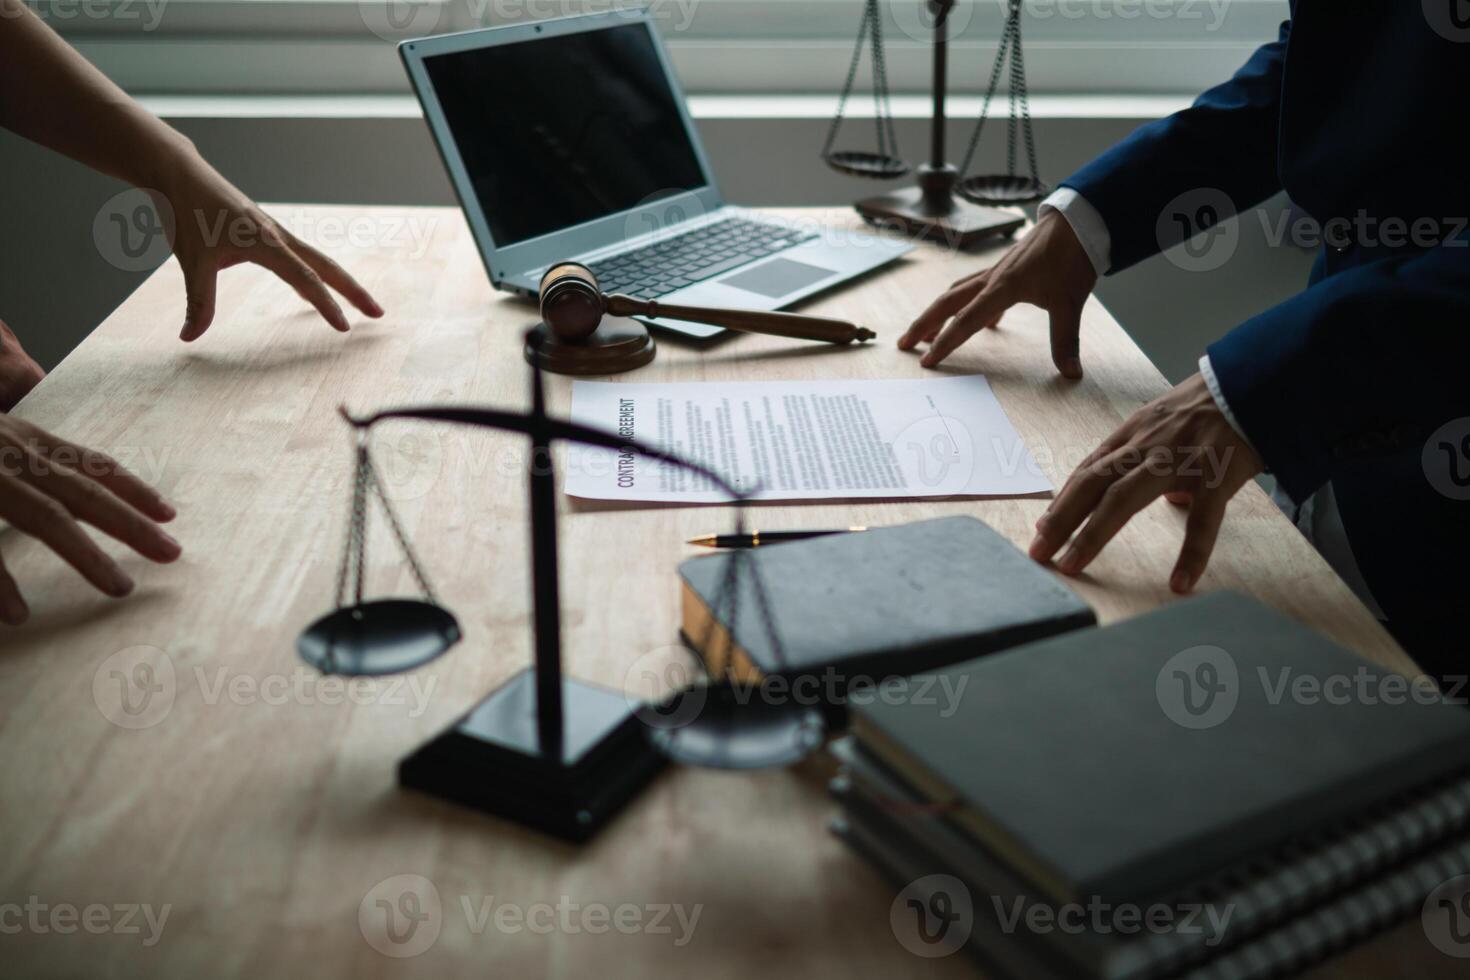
1315 796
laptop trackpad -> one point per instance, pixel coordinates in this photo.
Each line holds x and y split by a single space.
777 277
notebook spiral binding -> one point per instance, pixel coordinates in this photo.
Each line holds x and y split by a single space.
1264 940
1308 899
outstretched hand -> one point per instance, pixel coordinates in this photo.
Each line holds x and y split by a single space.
49 487
215 226
1048 268
1181 446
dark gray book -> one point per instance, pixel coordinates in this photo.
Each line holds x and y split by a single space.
1304 902
1141 759
872 604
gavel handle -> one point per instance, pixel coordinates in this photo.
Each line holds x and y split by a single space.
751 321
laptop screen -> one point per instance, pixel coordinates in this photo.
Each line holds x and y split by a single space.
557 131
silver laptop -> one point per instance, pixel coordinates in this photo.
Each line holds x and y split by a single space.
569 139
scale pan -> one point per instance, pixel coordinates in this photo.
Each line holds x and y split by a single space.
724 726
1001 189
387 636
875 166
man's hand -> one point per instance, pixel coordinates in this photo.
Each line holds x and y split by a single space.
1179 445
19 373
1047 268
215 226
48 485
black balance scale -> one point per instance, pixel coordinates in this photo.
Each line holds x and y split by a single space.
947 205
543 749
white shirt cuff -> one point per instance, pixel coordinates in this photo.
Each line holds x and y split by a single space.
1087 224
1207 371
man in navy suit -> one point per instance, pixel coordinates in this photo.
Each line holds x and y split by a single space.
1353 392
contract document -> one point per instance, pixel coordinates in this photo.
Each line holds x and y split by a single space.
801 440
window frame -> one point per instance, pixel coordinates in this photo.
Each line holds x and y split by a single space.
323 47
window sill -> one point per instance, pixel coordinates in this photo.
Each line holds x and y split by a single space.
733 107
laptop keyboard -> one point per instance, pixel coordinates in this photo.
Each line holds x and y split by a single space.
682 260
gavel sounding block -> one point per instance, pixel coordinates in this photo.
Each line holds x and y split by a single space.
618 344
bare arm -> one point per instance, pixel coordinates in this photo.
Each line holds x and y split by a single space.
50 94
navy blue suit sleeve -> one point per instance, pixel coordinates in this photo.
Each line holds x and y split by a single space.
1371 350
1225 142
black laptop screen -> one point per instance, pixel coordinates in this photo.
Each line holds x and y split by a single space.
561 130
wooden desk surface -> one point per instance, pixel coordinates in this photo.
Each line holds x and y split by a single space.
259 804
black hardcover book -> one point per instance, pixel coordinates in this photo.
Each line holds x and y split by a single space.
892 601
1144 758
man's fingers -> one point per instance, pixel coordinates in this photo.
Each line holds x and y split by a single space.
337 277
288 265
974 278
1066 326
1083 489
1201 529
1119 502
96 465
32 512
13 609
983 311
89 501
950 302
199 283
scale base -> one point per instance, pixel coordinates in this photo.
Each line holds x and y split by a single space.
490 759
957 223
618 344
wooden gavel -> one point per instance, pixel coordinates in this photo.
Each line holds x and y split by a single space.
573 305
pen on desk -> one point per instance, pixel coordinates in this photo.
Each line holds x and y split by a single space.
757 538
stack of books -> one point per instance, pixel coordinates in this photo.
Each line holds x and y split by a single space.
1210 790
